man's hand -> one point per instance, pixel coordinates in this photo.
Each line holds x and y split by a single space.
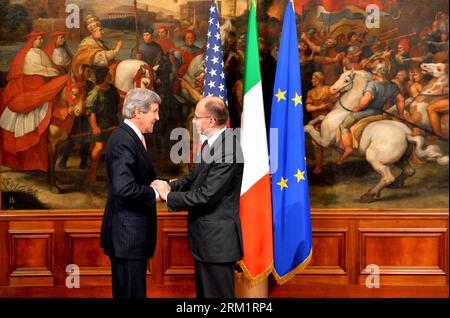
339 57
387 53
162 187
323 106
117 47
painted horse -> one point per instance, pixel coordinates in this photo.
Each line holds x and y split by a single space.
68 104
383 143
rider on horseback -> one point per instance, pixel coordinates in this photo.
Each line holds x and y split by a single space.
376 94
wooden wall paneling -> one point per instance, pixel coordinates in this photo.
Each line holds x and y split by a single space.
330 259
31 258
4 254
411 247
353 248
176 262
157 259
408 252
82 248
59 253
177 258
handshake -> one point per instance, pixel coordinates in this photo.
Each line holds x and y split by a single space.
162 187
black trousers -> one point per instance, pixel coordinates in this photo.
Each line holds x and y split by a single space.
128 278
214 280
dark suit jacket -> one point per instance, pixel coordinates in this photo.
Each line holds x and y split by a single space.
211 194
129 222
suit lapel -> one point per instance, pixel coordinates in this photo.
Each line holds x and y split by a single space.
138 143
202 166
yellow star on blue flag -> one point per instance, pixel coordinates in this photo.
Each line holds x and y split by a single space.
280 95
283 183
297 99
300 175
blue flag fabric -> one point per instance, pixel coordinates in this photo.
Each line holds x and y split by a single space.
290 196
214 81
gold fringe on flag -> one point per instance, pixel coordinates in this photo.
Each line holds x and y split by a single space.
292 273
255 280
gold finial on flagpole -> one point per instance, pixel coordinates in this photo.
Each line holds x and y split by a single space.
293 6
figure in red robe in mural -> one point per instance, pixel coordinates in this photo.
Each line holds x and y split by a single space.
164 42
58 51
26 108
187 52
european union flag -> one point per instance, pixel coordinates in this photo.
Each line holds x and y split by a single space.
290 196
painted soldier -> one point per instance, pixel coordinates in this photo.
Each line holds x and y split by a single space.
187 52
102 107
377 93
317 103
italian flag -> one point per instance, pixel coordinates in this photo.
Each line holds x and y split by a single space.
255 204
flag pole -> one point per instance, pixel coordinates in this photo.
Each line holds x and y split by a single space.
246 289
136 30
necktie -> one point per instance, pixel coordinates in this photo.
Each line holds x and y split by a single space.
205 149
143 142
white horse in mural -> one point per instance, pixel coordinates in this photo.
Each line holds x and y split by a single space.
133 73
383 143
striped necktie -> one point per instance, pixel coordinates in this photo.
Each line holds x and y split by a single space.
205 150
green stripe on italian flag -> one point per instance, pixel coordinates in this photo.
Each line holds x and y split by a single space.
255 204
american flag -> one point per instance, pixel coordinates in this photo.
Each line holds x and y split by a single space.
214 82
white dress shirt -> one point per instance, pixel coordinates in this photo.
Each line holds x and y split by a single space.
214 137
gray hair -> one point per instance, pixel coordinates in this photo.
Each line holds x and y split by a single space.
140 98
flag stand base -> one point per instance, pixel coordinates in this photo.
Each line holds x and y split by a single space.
243 288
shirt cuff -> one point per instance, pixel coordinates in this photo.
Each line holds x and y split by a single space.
156 193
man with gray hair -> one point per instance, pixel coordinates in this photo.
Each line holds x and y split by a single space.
128 234
211 194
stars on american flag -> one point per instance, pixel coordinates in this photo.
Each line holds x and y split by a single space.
213 72
214 81
211 84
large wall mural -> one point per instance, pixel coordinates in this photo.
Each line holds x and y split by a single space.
62 83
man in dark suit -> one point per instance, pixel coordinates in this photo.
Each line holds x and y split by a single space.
211 194
128 233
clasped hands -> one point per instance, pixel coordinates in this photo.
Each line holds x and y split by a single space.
162 187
